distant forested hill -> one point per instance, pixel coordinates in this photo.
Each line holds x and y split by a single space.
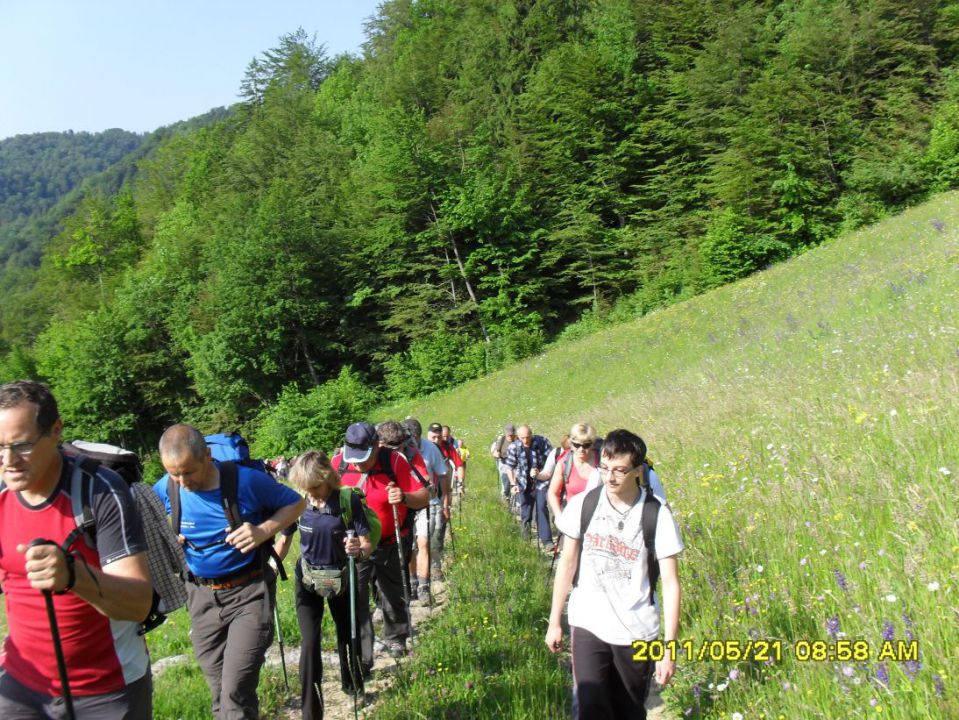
485 175
37 171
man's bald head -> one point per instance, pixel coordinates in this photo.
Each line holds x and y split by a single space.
180 440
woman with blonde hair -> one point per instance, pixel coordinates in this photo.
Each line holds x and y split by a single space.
322 573
574 468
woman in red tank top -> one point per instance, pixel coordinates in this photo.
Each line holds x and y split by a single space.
574 467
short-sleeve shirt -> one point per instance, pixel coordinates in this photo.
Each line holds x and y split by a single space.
322 530
376 486
102 655
612 599
203 521
437 467
449 451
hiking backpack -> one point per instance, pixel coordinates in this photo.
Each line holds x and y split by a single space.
650 518
229 489
372 519
231 447
164 554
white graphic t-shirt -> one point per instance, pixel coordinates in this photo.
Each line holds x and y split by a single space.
612 597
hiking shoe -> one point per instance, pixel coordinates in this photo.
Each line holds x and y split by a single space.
437 574
549 548
424 595
396 648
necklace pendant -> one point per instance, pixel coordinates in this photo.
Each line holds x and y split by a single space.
620 524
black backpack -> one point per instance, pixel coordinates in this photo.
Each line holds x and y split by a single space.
164 553
650 519
229 486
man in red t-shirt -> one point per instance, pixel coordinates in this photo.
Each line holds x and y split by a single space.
100 594
388 482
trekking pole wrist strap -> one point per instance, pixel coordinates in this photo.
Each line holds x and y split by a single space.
71 573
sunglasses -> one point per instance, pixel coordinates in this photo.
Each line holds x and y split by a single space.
582 446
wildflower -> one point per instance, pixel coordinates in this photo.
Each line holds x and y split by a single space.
786 685
697 691
832 626
841 580
890 598
945 471
803 561
893 413
888 631
873 702
933 586
688 711
734 674
737 716
848 670
759 568
721 687
823 552
938 684
862 565
912 668
882 552
882 674
469 686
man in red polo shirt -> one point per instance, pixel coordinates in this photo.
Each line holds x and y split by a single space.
388 482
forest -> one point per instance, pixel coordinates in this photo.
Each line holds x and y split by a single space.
489 176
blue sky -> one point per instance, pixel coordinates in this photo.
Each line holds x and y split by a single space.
98 64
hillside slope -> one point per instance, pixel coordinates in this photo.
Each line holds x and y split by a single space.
805 426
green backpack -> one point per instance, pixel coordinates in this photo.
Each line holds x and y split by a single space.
346 512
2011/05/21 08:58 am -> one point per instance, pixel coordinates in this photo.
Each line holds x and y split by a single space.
773 650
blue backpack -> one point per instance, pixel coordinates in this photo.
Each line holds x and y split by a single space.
231 447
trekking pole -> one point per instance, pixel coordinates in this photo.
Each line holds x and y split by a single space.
57 645
353 657
429 555
403 573
279 637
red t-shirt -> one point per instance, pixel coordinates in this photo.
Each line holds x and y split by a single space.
102 655
376 487
450 453
575 484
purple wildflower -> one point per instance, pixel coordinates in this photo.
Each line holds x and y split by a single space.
841 580
734 674
912 668
882 674
888 631
832 626
938 684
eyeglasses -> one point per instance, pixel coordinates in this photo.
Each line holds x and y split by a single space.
618 473
582 446
358 446
22 449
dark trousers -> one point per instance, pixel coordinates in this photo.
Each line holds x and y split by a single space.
134 702
309 615
231 631
607 682
384 565
535 501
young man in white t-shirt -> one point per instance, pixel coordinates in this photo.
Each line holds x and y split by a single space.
612 604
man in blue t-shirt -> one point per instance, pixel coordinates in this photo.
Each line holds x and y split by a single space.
231 591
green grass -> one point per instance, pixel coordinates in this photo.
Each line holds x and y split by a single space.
805 425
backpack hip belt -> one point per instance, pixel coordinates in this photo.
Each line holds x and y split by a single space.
225 582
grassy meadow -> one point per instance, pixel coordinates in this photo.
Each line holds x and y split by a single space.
805 425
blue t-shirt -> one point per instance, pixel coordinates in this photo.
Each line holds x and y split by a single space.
202 520
322 531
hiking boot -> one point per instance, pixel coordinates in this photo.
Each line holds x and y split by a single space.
424 595
437 574
396 648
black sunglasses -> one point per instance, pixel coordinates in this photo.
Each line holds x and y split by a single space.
582 446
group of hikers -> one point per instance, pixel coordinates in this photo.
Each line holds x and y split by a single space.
83 578
611 557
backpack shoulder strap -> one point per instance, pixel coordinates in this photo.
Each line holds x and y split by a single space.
567 467
81 488
650 518
173 494
589 508
340 465
229 492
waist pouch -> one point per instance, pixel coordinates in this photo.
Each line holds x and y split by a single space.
326 582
